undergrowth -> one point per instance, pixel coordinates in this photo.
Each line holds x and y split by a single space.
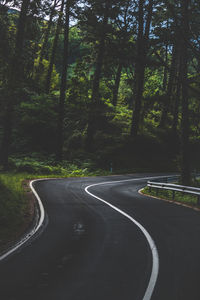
49 166
13 207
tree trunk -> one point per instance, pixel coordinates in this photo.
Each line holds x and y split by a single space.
117 83
142 46
54 48
15 77
165 71
93 109
63 86
185 153
43 52
177 99
168 96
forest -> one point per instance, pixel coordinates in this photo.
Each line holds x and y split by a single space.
112 84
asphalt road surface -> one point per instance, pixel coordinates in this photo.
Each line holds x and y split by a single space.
90 251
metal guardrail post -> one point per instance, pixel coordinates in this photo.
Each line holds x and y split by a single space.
174 188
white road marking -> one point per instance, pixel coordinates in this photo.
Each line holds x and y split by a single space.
34 230
155 265
41 207
155 257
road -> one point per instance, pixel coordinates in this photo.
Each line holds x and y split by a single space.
90 251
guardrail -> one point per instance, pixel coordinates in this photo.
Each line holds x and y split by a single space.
168 179
174 188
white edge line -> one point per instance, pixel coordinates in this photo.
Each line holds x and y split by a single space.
155 256
35 229
152 245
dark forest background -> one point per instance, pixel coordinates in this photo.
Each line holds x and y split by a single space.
114 84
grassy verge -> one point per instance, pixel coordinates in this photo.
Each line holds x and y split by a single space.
168 195
15 212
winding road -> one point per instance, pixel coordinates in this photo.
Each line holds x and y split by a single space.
102 240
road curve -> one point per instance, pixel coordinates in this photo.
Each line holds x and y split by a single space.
151 243
90 251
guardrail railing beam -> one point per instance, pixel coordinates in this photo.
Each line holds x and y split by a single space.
174 187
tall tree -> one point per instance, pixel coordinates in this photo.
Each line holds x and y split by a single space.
169 93
177 98
185 152
116 84
54 48
120 50
15 76
43 52
93 113
63 85
142 46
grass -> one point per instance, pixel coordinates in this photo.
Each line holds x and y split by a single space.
14 208
168 195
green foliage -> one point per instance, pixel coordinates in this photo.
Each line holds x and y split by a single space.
32 166
122 119
41 79
35 120
77 48
7 32
14 207
153 83
41 166
151 122
125 94
37 123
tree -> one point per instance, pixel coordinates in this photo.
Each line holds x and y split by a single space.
61 109
170 85
93 111
185 152
15 75
142 47
54 48
43 52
